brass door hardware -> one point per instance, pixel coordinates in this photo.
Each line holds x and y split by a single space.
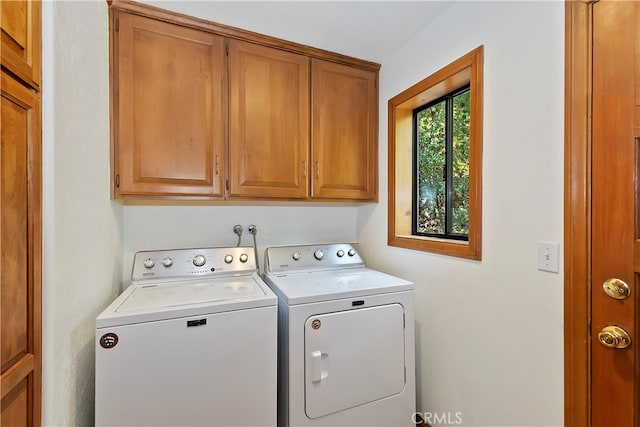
614 337
616 288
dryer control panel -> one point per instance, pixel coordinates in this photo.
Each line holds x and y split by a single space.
189 263
311 257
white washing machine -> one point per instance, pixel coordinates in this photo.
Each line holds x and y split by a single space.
346 339
192 342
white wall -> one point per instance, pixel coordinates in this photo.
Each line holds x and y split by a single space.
81 226
89 240
489 333
159 227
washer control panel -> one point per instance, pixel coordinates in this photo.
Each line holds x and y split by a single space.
186 263
311 257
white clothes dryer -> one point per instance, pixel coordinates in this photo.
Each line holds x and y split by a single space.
192 342
346 339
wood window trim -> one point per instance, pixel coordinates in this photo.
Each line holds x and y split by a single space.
466 70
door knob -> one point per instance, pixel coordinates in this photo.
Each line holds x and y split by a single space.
616 288
614 337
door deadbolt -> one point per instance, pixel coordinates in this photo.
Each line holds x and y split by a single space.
616 288
614 337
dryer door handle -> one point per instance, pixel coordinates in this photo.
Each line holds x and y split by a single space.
319 366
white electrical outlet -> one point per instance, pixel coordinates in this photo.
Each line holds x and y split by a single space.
549 256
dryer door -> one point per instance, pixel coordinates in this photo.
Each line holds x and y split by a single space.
353 357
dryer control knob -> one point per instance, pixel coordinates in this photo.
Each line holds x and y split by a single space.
351 252
199 260
244 257
296 256
228 259
318 254
340 253
149 263
167 262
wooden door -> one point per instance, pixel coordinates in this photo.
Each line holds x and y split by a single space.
344 131
20 39
602 216
20 255
615 210
168 109
268 122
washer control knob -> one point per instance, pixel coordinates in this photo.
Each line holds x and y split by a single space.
318 254
199 260
228 259
351 252
340 253
149 263
296 256
167 262
244 257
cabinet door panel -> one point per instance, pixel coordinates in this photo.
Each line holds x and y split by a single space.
14 229
20 35
269 122
15 406
20 254
344 131
170 119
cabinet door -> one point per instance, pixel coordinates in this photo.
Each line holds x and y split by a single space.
168 109
20 36
268 122
20 254
344 129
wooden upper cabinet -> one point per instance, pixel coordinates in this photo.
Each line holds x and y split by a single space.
196 105
20 35
344 129
167 101
268 122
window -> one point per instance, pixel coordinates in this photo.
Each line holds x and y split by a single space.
435 161
441 167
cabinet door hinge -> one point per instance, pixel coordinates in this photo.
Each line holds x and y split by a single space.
117 24
226 184
226 49
118 181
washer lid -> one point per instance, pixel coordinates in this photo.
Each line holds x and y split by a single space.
160 301
316 286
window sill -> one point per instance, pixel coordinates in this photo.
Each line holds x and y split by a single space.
448 247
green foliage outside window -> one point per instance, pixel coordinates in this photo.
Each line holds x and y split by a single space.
442 179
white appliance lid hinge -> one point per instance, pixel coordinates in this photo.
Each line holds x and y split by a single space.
404 321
